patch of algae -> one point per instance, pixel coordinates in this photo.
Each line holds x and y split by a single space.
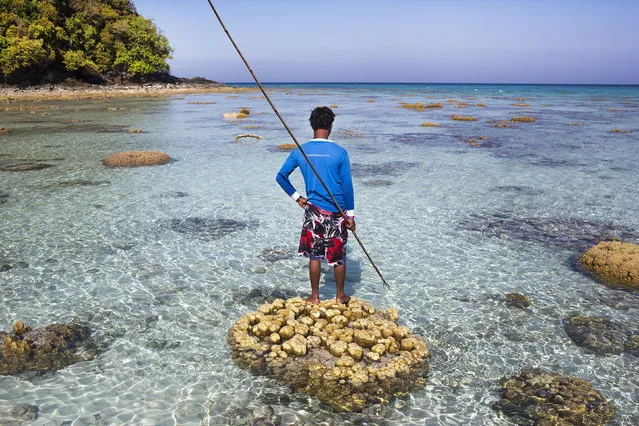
348 356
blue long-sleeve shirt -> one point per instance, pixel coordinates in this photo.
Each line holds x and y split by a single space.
332 163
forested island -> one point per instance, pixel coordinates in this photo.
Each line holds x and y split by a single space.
82 41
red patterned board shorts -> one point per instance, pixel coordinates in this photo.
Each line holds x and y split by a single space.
324 235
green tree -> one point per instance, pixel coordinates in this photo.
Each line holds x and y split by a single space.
80 37
143 50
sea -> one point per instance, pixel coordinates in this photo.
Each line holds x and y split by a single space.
159 262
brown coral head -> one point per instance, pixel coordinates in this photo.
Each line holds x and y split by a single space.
137 158
18 327
523 119
462 118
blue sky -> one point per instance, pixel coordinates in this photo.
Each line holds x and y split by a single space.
439 41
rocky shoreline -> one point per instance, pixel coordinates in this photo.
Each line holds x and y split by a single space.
92 91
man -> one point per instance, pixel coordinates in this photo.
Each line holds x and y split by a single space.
324 233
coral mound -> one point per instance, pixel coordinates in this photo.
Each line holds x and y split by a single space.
615 263
244 113
462 118
137 158
349 356
535 396
523 119
47 348
286 147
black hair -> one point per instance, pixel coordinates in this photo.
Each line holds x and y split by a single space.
322 118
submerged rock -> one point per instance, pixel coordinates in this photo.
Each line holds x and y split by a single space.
615 263
46 348
19 415
537 397
137 158
348 356
378 182
3 197
275 255
517 300
564 233
208 229
24 167
602 336
390 168
82 182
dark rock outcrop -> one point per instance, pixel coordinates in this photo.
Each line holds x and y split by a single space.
602 336
47 348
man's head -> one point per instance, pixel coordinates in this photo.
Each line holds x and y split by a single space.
322 118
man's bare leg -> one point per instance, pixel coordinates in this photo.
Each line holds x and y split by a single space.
340 278
314 270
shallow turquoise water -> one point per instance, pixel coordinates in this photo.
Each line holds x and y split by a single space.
139 256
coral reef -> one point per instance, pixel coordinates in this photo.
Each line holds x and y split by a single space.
523 119
537 397
602 336
349 356
136 158
462 118
246 135
136 131
47 348
522 105
429 124
615 263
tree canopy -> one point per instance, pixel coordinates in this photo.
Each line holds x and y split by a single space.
44 40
